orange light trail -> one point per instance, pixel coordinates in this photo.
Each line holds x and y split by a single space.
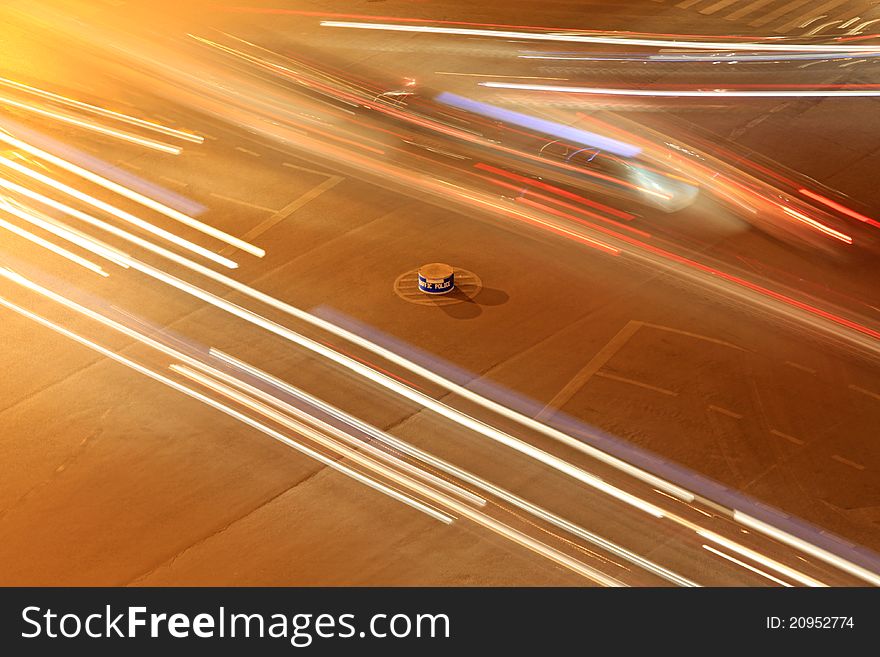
562 231
800 216
556 190
840 208
574 208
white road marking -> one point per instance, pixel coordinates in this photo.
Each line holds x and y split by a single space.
633 382
864 391
580 379
778 12
792 439
724 411
230 199
852 464
282 214
742 11
174 181
798 366
721 4
291 165
831 4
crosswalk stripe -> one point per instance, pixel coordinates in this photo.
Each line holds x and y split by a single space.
790 16
831 4
739 13
718 6
779 12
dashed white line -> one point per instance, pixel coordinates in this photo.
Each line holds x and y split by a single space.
261 208
248 151
725 411
792 439
174 181
291 165
852 464
633 382
864 391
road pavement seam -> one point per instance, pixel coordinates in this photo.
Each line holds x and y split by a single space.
169 561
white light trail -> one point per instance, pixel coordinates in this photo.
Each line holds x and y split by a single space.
132 195
125 118
791 573
729 58
585 38
688 93
94 127
743 564
103 225
808 548
118 213
46 244
800 216
73 236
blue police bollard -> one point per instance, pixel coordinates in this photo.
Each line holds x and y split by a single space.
436 278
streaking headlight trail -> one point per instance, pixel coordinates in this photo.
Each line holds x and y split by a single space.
583 137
